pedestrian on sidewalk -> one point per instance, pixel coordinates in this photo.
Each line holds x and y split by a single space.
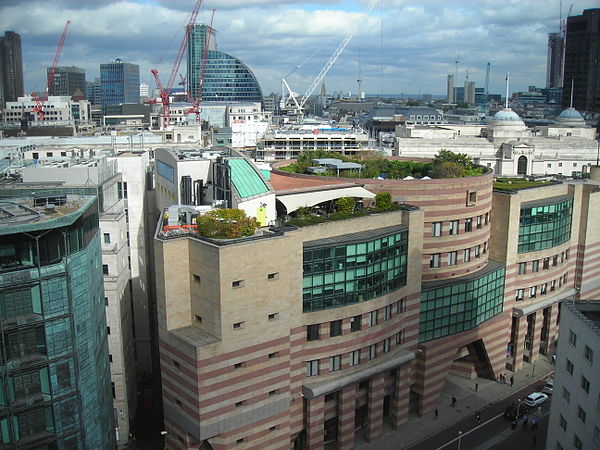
476 386
453 401
435 413
553 359
512 380
478 417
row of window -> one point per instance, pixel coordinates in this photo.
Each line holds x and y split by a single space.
584 383
335 326
534 265
544 226
542 289
435 260
588 353
313 367
468 224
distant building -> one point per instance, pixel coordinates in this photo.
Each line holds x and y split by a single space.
144 90
68 81
582 61
450 89
226 78
555 61
575 412
94 91
469 95
11 67
58 110
120 83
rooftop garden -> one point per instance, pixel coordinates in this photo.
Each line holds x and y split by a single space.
446 164
226 224
513 184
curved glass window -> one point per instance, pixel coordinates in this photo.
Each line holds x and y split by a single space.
545 226
362 267
450 309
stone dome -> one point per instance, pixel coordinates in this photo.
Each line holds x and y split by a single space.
570 117
506 122
507 114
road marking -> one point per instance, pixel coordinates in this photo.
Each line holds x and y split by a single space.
470 431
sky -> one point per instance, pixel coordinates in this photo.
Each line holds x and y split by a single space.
401 46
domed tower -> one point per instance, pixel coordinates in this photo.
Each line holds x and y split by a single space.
506 124
570 118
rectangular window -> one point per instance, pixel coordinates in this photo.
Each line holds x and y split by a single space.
563 423
400 337
452 258
354 359
520 294
240 403
566 395
312 332
372 351
238 325
471 198
468 225
532 291
589 354
273 355
543 288
581 415
436 229
577 443
105 269
552 285
401 306
453 227
273 316
572 338
477 251
237 283
355 323
387 312
546 264
312 368
335 328
106 237
335 363
373 318
585 384
570 367
434 261
273 276
467 255
535 265
197 278
386 345
555 261
522 268
479 221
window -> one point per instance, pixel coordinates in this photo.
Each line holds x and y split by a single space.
238 325
273 276
546 263
520 294
467 255
563 423
566 395
335 328
596 435
105 269
468 225
555 261
176 364
197 278
522 268
581 413
107 330
552 285
577 443
373 318
240 441
434 261
479 221
237 283
177 401
273 355
238 365
198 318
453 227
452 258
585 384
372 351
386 345
570 367
572 338
543 288
273 316
335 363
355 323
471 198
400 337
477 251
312 332
535 265
532 291
106 237
589 354
312 368
240 403
354 359
387 312
436 229
400 306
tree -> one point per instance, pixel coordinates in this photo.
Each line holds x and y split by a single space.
448 169
226 224
383 200
345 205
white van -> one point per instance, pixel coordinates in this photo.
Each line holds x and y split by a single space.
549 388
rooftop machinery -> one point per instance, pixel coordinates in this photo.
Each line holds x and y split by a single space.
297 105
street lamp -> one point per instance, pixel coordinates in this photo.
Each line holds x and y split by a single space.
518 406
459 436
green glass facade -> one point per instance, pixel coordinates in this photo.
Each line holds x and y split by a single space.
451 308
353 268
545 225
55 388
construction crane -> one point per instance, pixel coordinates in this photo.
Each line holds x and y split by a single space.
195 109
164 92
292 101
39 107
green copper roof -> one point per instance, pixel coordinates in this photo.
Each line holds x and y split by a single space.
246 180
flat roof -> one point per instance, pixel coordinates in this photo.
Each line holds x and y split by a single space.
361 236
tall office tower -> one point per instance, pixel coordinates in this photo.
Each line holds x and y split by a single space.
554 61
120 83
226 78
450 89
11 67
67 80
469 92
582 61
55 387
94 91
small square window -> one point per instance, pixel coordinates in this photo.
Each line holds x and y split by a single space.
581 413
572 338
106 237
273 355
312 332
105 269
273 276
566 395
176 364
198 318
178 402
238 325
273 428
471 198
240 403
197 278
570 367
239 441
237 283
355 323
589 354
238 365
585 384
273 392
273 316
335 328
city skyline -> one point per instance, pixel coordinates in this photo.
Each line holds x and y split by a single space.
401 47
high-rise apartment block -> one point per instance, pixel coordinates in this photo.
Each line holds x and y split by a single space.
554 64
68 81
582 61
55 386
11 67
450 89
120 83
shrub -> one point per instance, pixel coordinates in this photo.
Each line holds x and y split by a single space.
226 224
383 200
345 205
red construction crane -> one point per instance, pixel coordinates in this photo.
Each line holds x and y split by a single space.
39 108
164 93
196 106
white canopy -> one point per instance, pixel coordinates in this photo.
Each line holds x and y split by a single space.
297 200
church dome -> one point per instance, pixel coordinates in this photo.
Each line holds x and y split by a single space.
570 117
507 114
506 122
570 113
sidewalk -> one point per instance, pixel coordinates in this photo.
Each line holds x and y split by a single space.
468 402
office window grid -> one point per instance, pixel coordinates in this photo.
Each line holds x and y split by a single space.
546 226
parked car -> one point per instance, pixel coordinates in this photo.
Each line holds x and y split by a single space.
549 388
510 412
535 399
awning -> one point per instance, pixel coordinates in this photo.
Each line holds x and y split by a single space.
300 199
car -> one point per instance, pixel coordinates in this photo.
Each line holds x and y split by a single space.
511 411
535 399
549 388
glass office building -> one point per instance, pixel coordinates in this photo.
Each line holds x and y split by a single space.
226 78
120 83
545 224
55 387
